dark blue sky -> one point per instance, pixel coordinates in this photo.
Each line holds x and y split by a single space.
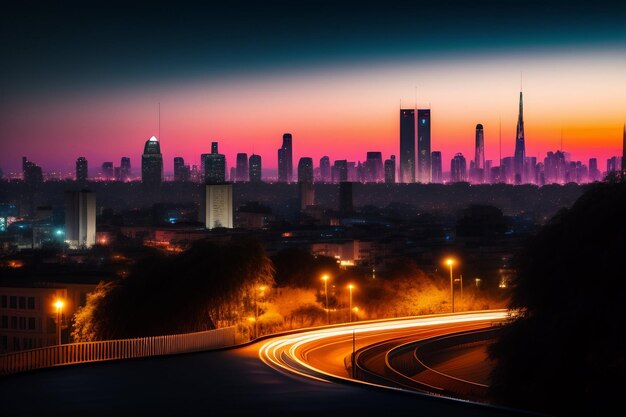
48 49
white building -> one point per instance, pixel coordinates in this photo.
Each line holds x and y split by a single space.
80 219
217 206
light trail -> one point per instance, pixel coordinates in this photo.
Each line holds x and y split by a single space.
287 353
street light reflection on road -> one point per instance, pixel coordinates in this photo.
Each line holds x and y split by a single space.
281 352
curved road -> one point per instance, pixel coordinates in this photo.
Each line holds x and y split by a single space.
235 381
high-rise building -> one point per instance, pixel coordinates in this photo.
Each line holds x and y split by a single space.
31 173
325 175
82 172
255 168
305 170
479 155
125 169
374 167
624 151
520 145
345 197
437 170
80 219
423 146
390 170
217 206
340 171
241 170
285 159
152 163
213 166
108 172
458 168
407 145
182 172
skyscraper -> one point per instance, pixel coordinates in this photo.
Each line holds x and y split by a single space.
520 145
213 166
340 170
305 170
374 167
305 182
624 151
107 171
80 219
325 169
255 168
479 152
423 145
407 145
241 170
458 168
82 172
437 175
152 163
181 171
285 159
125 169
390 170
31 173
217 206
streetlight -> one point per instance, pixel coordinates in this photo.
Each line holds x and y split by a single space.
256 310
350 287
325 279
450 262
59 306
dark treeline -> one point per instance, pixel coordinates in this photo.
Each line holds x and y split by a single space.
176 294
566 353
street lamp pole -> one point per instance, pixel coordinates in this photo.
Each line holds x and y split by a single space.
325 278
350 287
450 262
59 306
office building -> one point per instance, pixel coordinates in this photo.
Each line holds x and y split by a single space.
182 173
241 170
423 146
305 170
407 145
255 168
478 174
125 169
152 163
285 159
325 175
213 166
437 170
82 171
373 167
108 173
80 219
217 206
458 168
340 171
345 197
390 170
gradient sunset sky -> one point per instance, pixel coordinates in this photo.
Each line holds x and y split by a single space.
86 82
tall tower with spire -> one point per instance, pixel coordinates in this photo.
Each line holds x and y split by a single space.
520 145
624 151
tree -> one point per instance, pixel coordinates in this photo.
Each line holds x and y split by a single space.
199 289
566 352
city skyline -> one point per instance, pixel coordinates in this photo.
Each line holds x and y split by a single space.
338 92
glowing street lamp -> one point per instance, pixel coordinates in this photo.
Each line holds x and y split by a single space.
59 306
350 287
325 279
450 262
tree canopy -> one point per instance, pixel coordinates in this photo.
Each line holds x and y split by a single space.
566 352
163 294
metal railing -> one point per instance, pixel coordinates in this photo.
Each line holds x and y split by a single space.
108 350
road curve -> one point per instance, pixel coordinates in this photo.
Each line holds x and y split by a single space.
227 382
322 354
